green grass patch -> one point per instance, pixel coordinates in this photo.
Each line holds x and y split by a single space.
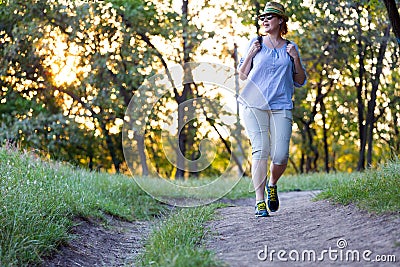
194 188
373 190
234 188
177 240
304 182
39 200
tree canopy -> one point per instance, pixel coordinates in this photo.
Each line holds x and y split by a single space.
69 69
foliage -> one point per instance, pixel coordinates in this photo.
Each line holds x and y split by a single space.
340 43
91 97
68 70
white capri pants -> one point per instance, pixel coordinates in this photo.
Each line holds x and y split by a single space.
269 132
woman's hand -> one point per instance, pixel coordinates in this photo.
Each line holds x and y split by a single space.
299 75
246 66
291 50
254 48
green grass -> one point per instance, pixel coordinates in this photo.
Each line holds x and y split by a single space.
305 182
201 189
234 188
373 190
40 199
178 240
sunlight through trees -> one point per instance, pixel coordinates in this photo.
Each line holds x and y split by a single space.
68 70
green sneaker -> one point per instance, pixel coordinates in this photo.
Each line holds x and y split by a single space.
261 209
272 196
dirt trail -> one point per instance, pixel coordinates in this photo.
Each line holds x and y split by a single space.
300 227
116 244
239 239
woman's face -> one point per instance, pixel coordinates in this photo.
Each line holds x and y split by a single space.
271 22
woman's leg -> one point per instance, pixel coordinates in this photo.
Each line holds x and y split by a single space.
256 124
281 132
259 177
276 172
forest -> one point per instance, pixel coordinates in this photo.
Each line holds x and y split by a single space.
112 85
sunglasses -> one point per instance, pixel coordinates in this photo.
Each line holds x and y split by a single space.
268 17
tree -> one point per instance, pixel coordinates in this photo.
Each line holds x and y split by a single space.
394 17
105 58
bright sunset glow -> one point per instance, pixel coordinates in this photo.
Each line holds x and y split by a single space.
60 58
65 74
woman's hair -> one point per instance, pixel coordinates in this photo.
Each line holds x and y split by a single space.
283 27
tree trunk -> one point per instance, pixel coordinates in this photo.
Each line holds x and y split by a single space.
183 132
256 4
146 39
394 17
325 136
238 129
181 148
191 134
90 165
227 146
294 165
312 158
301 167
396 136
360 102
372 102
142 155
111 148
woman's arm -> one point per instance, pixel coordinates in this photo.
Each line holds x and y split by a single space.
300 75
245 68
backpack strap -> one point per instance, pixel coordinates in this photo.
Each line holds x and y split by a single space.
260 39
291 59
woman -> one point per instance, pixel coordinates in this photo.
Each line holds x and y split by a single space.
272 67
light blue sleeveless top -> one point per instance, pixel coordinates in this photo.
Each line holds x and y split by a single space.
270 83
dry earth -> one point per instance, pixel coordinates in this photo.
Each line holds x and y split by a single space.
301 227
115 243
